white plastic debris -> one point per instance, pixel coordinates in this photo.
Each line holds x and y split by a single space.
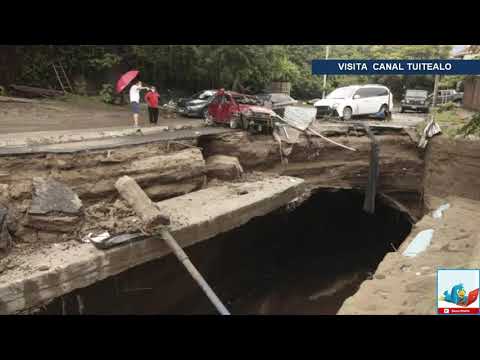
419 243
86 238
437 214
99 238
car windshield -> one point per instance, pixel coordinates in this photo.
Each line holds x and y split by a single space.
341 93
417 93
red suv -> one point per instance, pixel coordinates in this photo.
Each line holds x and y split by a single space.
240 110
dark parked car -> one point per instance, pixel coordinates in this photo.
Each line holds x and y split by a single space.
415 100
449 95
197 104
277 101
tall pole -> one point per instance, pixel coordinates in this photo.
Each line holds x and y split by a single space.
325 75
435 86
435 90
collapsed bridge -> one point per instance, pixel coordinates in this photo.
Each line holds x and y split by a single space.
209 183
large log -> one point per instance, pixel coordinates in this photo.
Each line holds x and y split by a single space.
151 218
36 92
141 203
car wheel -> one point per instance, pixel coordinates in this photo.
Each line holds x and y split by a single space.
347 113
402 110
384 110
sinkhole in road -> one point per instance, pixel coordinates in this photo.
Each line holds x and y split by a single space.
302 261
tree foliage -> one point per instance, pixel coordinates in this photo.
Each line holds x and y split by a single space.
238 67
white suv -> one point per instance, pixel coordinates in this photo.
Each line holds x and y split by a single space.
356 100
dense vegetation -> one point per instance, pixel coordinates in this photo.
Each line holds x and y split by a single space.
193 67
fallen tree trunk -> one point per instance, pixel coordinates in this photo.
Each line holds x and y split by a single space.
36 92
151 217
141 203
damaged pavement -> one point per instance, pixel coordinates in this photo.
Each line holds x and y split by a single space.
57 197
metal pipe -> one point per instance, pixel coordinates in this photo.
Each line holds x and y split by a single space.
183 258
325 75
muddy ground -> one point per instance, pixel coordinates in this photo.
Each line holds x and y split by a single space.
85 113
54 115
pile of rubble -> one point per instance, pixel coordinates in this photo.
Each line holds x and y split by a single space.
169 110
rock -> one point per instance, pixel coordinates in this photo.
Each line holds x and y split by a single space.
224 167
51 196
380 277
43 268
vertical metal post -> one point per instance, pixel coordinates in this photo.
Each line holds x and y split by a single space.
325 75
435 90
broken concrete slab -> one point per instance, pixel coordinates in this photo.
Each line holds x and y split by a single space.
51 196
195 217
224 167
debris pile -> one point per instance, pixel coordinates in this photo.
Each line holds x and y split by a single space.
169 110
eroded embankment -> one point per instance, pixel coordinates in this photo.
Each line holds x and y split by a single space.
53 198
408 285
325 165
452 168
163 173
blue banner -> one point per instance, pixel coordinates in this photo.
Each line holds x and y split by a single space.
396 67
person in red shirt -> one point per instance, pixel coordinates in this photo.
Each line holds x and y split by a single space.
151 98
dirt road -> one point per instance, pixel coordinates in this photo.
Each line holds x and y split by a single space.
86 113
62 115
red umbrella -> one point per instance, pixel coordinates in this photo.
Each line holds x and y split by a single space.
125 79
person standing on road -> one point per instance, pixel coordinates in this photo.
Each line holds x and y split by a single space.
151 98
135 100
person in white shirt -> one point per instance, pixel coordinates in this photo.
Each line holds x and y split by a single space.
135 100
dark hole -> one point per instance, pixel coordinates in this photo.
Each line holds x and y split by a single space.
306 261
